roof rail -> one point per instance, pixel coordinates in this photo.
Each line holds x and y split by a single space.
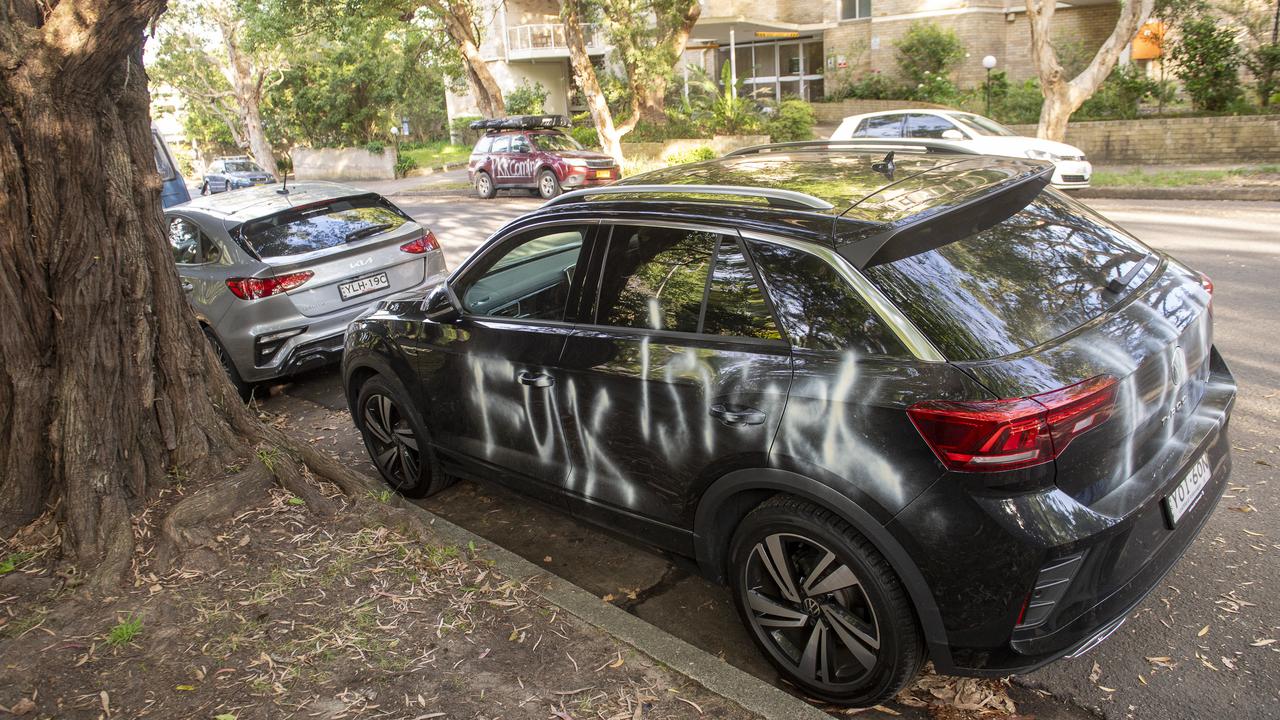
776 195
861 144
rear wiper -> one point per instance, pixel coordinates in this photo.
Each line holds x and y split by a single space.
366 232
1118 284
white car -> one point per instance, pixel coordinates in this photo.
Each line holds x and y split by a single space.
987 136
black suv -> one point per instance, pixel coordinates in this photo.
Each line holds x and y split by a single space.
908 408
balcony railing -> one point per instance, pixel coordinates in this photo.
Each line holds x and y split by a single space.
548 40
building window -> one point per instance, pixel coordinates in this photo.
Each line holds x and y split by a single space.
854 9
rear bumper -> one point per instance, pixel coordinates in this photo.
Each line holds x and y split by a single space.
980 585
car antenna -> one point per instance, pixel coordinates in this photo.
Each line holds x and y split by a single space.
885 167
284 188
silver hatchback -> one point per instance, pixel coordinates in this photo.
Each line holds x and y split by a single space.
275 277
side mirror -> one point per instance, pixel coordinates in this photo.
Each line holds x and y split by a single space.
952 134
439 305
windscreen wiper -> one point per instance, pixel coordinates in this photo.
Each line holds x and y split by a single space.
1117 285
366 232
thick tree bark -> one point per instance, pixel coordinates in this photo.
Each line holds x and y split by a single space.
584 73
673 28
458 22
107 385
246 82
1063 95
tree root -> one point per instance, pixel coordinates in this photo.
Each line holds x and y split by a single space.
189 522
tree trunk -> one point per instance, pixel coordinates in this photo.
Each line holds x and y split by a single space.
674 27
456 16
584 74
107 384
246 81
1063 96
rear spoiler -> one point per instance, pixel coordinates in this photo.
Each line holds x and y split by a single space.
945 223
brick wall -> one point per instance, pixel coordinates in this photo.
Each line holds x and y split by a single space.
1087 27
1173 141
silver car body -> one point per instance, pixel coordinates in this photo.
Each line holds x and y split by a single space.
272 336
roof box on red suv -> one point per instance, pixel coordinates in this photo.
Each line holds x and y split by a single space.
521 122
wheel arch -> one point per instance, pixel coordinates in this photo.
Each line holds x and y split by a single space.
360 365
728 500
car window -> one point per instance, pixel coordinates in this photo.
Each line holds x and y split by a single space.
819 308
927 126
1026 281
501 143
189 245
519 144
655 278
322 225
215 168
880 126
555 142
242 166
163 166
483 145
735 304
530 278
984 126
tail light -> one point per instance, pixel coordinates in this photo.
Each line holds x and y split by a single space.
1207 284
426 243
998 435
256 288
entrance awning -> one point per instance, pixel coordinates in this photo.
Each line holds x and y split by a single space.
715 30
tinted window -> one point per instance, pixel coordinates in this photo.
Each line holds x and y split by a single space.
322 226
530 278
163 166
735 304
242 166
555 142
502 143
189 245
881 126
820 310
927 126
655 278
483 145
519 144
1023 282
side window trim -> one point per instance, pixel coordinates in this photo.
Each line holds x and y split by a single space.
906 331
459 276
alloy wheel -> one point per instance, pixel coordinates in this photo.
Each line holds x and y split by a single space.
547 185
394 447
811 611
484 186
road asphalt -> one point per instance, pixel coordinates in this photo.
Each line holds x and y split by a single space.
1205 644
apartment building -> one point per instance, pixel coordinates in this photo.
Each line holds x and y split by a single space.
787 47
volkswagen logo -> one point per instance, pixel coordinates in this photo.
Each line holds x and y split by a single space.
1178 368
812 607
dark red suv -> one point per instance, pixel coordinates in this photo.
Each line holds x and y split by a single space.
529 151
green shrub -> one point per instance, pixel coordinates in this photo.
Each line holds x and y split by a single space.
585 135
692 155
1208 62
526 99
1120 94
375 147
459 128
1264 63
733 113
404 163
927 50
793 120
872 86
935 89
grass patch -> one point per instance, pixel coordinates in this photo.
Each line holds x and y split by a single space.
1139 177
125 631
434 154
13 561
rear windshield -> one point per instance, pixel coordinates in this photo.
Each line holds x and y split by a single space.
1028 280
320 226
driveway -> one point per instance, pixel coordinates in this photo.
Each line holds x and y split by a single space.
1161 664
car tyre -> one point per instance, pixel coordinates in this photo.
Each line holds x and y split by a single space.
243 389
548 185
823 605
397 439
485 189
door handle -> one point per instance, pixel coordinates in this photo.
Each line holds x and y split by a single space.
187 286
535 379
737 415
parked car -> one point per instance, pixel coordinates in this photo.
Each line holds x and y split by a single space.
793 368
528 152
173 191
275 276
988 137
233 173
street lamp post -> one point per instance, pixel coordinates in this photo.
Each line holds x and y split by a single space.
989 62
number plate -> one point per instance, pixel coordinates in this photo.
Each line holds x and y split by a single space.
364 286
1185 495
604 173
